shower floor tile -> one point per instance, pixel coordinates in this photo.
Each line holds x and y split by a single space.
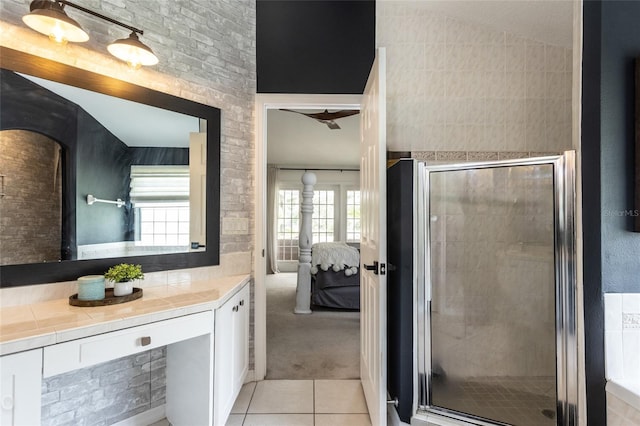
521 401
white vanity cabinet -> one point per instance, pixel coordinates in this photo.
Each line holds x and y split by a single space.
81 353
21 388
231 353
206 335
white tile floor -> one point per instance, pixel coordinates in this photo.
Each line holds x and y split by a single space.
300 403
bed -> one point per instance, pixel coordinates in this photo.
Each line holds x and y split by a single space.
335 277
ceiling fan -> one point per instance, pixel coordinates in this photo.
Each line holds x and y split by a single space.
327 117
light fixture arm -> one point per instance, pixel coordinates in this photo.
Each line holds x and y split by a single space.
96 14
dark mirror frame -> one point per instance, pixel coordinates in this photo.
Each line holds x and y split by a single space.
70 270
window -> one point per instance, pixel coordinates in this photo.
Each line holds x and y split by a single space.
160 197
353 216
164 224
323 220
288 223
336 216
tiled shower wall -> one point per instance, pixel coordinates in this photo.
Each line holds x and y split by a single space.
30 223
455 86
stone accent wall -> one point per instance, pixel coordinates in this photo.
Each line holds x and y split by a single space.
106 393
207 53
30 218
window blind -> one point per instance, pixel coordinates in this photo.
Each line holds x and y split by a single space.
157 184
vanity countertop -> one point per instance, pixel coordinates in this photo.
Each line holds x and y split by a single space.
31 326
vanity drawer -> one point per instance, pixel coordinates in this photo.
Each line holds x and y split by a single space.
92 350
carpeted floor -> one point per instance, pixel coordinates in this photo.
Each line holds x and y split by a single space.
323 345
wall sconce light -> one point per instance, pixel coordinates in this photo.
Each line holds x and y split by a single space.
49 18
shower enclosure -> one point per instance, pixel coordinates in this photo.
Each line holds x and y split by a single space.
496 328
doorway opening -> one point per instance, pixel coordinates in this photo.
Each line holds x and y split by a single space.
306 154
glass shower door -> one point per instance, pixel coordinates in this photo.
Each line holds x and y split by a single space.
496 314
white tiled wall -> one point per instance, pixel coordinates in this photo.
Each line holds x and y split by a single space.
622 336
622 357
455 86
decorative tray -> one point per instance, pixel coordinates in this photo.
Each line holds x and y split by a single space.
109 298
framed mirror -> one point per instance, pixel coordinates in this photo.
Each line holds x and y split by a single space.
95 171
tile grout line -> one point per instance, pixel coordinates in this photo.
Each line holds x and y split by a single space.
246 411
314 405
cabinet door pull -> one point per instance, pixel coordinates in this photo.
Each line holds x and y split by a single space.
145 341
235 308
242 302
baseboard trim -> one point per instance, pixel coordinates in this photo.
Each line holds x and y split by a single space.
144 419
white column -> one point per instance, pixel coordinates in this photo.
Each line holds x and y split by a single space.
303 290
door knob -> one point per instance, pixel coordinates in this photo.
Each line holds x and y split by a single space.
373 267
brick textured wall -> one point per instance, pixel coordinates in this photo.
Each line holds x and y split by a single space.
106 393
207 54
30 216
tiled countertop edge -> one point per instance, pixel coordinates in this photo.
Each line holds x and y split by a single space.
627 391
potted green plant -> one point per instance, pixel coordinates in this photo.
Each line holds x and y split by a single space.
123 276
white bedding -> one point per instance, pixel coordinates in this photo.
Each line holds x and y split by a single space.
337 255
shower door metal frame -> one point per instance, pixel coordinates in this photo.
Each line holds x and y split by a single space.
565 289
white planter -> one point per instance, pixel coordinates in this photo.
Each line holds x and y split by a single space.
123 288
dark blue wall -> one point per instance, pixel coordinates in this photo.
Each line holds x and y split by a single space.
314 46
620 48
102 170
611 250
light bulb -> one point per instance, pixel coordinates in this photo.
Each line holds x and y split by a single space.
134 63
57 35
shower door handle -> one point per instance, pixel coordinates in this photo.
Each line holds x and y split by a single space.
373 267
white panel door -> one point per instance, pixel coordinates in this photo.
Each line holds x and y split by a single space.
21 388
241 339
223 380
373 244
